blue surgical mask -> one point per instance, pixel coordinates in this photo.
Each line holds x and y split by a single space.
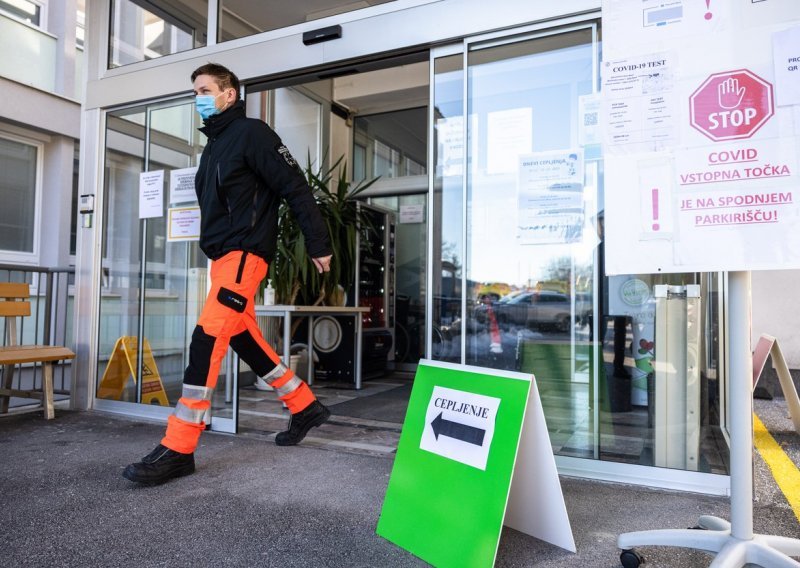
206 105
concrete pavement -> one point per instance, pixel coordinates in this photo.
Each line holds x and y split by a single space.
63 502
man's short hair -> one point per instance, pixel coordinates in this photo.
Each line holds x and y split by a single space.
224 77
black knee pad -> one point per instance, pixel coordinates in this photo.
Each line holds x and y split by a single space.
199 358
251 353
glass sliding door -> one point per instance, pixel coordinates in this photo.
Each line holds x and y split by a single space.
176 270
120 276
154 280
515 196
532 202
446 200
517 247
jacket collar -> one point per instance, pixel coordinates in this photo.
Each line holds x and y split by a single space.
215 124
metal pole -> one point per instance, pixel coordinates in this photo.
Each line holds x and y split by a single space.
48 305
741 405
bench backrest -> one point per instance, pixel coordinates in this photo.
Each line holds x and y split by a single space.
14 302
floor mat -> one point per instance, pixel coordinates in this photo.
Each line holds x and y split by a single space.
386 406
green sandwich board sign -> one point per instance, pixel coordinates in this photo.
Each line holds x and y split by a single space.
447 495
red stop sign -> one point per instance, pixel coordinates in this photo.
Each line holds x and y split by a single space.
731 105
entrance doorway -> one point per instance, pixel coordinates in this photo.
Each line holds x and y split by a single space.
374 123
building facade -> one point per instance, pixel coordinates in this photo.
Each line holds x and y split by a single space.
441 100
41 78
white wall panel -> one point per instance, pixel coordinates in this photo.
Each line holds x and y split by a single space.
776 312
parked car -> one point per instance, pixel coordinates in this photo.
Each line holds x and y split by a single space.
531 309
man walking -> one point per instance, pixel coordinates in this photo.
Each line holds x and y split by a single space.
243 173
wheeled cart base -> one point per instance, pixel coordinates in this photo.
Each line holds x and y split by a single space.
763 550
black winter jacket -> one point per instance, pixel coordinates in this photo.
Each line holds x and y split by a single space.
244 171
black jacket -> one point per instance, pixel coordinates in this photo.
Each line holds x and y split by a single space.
244 171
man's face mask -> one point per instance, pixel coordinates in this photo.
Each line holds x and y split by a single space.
206 105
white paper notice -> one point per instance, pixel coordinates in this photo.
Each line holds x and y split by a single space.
450 136
412 214
755 13
550 197
701 129
509 134
786 57
181 185
459 426
183 224
151 194
640 107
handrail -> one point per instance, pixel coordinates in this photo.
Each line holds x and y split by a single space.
31 268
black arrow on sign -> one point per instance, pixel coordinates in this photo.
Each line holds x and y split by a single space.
468 434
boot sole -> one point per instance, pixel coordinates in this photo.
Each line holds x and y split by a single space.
149 481
319 421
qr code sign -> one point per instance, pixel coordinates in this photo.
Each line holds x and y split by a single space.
590 119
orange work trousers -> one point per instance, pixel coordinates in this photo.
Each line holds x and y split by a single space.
229 318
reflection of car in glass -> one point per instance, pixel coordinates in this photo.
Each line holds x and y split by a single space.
531 309
583 307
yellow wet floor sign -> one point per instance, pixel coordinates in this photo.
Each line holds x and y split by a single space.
122 365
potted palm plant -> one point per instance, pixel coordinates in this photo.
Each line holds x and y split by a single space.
294 277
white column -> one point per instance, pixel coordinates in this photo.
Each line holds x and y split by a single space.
741 404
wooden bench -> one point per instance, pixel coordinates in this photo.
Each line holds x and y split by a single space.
13 304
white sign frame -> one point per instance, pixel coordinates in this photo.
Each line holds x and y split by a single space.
183 224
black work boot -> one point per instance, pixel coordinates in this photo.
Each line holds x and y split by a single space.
160 465
299 424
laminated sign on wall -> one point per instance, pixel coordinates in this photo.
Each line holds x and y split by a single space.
704 147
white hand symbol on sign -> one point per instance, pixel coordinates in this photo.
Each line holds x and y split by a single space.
730 94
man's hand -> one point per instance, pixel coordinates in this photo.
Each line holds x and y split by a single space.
323 263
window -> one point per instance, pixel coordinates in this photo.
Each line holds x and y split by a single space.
80 25
73 225
397 143
19 163
386 160
25 10
148 29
